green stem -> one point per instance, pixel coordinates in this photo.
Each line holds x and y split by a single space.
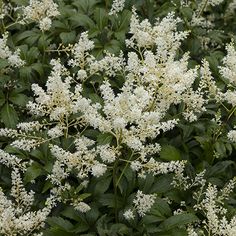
123 171
115 188
202 9
44 48
231 112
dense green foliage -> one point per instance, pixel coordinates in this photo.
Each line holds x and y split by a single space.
202 143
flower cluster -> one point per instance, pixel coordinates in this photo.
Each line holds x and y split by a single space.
212 206
134 115
41 12
16 216
117 6
13 58
142 204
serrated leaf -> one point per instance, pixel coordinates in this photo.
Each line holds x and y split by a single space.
9 116
103 139
23 35
150 219
32 172
170 153
82 20
2 98
3 63
71 213
92 215
160 208
85 6
68 37
178 220
58 222
119 228
19 99
101 185
162 184
100 16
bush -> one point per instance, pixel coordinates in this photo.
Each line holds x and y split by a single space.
117 117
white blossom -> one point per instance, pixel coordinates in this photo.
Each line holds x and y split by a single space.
16 215
41 12
232 136
82 207
13 58
228 71
143 202
98 170
129 214
117 6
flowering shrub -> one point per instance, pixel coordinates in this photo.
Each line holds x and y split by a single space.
117 117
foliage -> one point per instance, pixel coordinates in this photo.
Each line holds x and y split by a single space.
117 117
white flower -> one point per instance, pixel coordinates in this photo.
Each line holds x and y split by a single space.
232 136
5 53
98 170
16 215
129 214
117 6
107 153
143 202
82 207
45 24
81 75
80 50
228 71
214 2
41 11
55 132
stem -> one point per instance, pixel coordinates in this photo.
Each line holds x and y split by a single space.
231 112
224 107
203 8
115 188
44 48
123 171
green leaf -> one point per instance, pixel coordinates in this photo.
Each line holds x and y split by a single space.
3 63
101 184
9 116
2 98
19 99
32 172
81 20
68 37
57 232
103 139
125 19
38 67
162 184
219 168
92 215
160 208
187 12
220 148
150 219
119 228
100 16
23 35
81 227
170 153
85 6
71 213
108 200
58 222
95 98
178 220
